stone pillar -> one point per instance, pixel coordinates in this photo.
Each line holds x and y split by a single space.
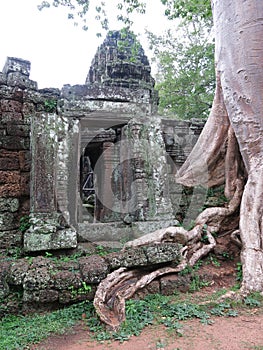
107 178
44 150
49 229
103 177
151 173
140 176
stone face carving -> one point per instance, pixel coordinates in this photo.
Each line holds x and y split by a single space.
109 122
120 61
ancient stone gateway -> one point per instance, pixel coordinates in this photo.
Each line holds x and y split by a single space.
101 157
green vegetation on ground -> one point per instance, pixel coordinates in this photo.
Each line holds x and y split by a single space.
18 332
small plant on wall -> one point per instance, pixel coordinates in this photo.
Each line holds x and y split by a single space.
50 105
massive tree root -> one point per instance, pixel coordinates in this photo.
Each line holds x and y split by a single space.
121 284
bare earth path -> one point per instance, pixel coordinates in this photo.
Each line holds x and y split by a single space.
242 332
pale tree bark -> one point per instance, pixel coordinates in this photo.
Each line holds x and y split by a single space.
239 68
239 56
229 150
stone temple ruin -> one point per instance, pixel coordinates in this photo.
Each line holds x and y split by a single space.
91 162
84 167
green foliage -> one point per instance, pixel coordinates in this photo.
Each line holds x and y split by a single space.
189 10
48 255
16 332
223 309
213 260
128 45
186 75
227 256
24 223
239 272
215 197
138 316
100 250
50 105
78 10
197 283
251 301
191 269
85 289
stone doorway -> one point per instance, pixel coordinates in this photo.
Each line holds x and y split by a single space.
101 174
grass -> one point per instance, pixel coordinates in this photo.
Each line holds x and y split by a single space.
17 332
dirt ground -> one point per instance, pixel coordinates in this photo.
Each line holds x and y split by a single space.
234 333
242 332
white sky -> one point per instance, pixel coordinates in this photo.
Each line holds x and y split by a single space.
59 52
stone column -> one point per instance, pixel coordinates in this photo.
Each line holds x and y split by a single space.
139 161
151 176
49 229
44 145
108 183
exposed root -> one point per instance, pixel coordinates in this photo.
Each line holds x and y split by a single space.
235 238
110 305
207 248
121 284
170 234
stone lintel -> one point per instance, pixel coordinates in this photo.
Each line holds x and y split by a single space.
97 136
81 108
109 93
102 119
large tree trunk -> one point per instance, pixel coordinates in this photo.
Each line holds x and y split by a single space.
239 56
239 99
229 150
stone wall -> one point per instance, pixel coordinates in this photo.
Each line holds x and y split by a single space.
41 283
33 284
22 109
15 109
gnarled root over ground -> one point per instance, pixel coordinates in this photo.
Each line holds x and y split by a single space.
121 284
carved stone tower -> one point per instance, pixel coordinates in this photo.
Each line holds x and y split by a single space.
102 154
120 61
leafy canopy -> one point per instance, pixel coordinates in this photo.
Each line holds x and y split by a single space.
185 72
79 9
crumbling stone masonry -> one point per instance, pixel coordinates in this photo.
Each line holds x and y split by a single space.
16 107
98 153
89 163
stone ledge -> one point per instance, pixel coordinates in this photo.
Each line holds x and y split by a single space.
88 232
61 239
117 231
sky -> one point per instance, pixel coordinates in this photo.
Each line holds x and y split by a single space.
60 53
